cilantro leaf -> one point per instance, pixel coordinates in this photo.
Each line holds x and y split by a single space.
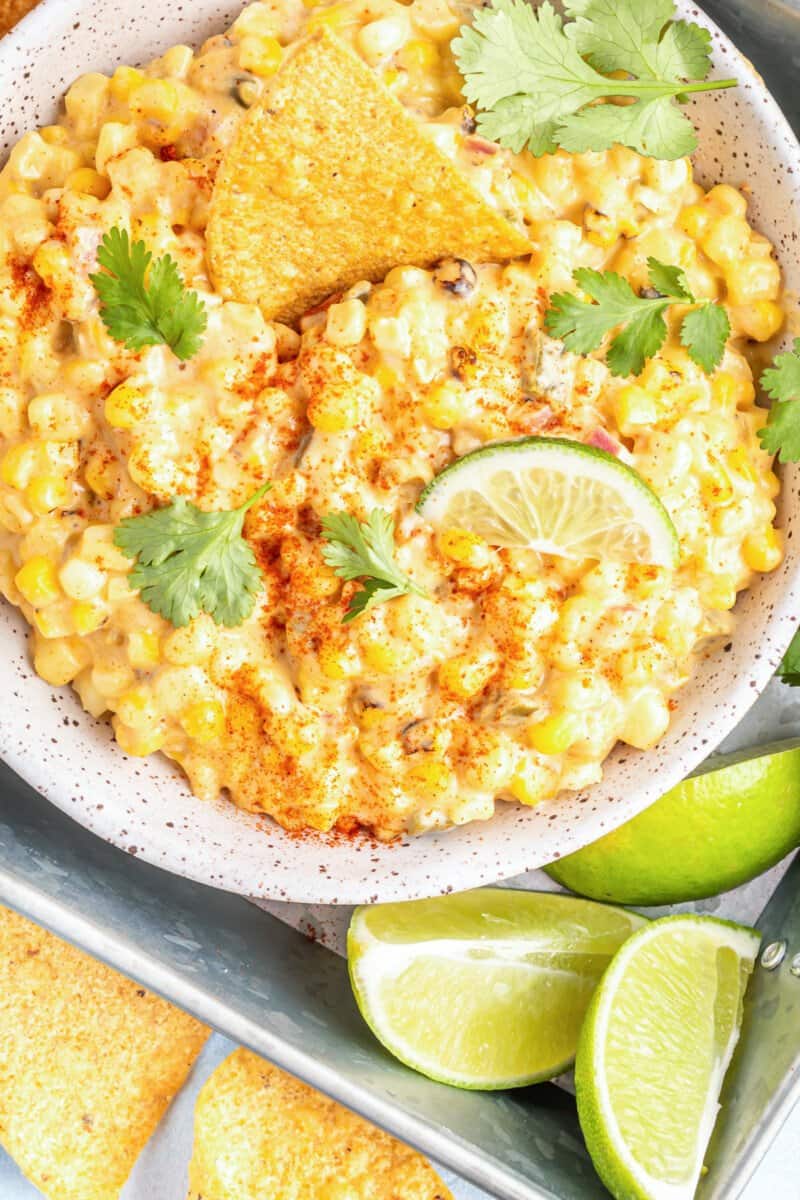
531 77
582 325
669 281
146 307
190 561
789 669
781 381
704 332
626 35
364 550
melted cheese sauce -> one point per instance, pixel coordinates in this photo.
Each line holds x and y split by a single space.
519 673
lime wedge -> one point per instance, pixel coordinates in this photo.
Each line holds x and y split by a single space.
556 496
486 989
725 824
654 1050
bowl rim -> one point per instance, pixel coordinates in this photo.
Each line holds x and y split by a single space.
286 867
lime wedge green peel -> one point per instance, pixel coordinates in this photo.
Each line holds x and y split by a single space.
556 496
657 1041
485 989
722 826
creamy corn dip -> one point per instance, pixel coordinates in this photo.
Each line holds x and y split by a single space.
519 672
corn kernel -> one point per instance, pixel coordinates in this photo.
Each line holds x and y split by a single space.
204 721
634 407
12 406
158 99
59 660
419 56
138 742
334 16
760 320
56 415
380 39
102 475
125 407
18 465
531 783
577 617
89 182
763 551
81 580
464 547
52 264
339 663
177 61
48 492
54 621
124 80
725 390
739 462
726 240
695 220
728 198
647 721
143 648
526 674
347 323
445 405
716 486
87 617
258 18
334 410
431 777
466 675
115 138
260 55
720 593
192 644
387 658
555 733
38 582
54 135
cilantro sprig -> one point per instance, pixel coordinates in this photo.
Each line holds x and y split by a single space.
143 302
364 550
534 79
781 434
582 324
789 669
190 561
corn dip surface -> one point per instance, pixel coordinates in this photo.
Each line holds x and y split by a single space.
520 671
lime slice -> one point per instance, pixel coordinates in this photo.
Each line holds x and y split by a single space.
486 989
653 1053
556 496
724 825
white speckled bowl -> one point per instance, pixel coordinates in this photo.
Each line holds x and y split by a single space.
144 806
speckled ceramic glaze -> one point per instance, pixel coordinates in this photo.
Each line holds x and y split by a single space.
144 806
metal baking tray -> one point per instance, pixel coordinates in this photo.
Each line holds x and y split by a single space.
252 976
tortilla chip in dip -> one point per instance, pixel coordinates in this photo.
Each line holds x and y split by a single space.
262 1133
329 180
89 1062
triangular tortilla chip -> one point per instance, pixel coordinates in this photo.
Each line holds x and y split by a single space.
261 1132
89 1062
329 181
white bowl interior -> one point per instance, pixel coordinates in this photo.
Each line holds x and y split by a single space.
144 806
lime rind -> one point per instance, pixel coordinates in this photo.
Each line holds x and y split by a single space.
729 821
533 957
624 1176
556 496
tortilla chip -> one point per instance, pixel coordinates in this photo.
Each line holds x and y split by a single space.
329 181
12 11
259 1132
89 1062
